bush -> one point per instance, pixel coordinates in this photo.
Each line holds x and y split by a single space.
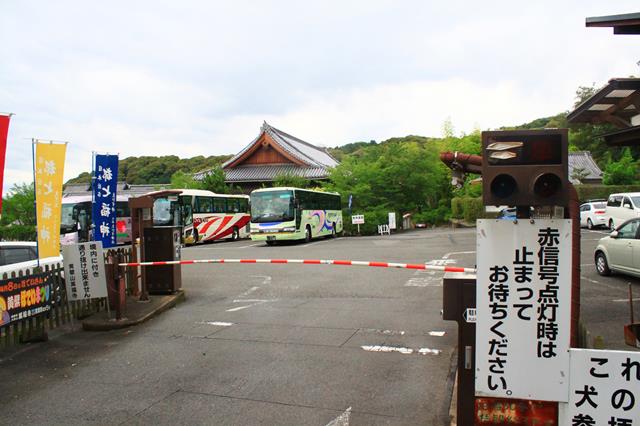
473 209
590 192
372 218
456 208
18 233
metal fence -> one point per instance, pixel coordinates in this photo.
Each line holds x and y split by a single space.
62 310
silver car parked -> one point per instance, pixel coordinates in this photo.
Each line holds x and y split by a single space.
620 251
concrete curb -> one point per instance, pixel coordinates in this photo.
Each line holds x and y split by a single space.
98 322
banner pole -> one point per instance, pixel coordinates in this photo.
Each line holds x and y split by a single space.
35 200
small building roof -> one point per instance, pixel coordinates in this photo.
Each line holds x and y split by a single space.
583 160
628 23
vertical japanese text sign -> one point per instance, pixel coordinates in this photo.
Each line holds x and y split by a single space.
4 130
84 271
49 171
104 199
523 309
604 388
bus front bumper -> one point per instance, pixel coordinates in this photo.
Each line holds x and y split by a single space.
275 236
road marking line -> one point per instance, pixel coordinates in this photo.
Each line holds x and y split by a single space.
218 323
252 300
248 292
589 279
437 333
402 350
239 308
378 348
342 419
252 245
388 332
427 351
446 256
635 299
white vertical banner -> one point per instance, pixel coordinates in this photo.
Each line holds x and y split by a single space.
392 220
523 299
84 271
604 388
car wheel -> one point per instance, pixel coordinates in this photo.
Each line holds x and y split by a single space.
589 224
601 264
307 235
611 225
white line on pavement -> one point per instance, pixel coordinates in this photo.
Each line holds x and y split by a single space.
342 419
635 299
218 323
239 308
437 333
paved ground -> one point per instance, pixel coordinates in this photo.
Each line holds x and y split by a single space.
605 300
264 344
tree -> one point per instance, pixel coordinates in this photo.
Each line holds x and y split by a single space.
289 179
214 181
182 180
579 174
18 207
621 172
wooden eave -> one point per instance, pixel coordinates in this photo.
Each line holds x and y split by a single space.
628 23
603 108
264 140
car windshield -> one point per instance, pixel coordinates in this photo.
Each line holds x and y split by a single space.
273 206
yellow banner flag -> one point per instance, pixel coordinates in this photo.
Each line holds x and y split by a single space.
49 171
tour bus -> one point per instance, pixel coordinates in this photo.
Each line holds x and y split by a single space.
294 214
76 223
204 215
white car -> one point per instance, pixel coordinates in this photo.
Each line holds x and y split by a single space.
21 256
620 251
593 213
622 207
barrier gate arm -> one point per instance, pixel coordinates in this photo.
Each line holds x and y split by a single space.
419 266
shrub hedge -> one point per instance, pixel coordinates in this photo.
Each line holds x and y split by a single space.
17 233
590 192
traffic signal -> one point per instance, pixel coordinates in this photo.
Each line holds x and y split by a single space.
525 167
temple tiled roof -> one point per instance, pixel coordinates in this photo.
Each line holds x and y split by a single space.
583 160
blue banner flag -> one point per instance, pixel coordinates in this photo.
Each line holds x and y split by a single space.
105 179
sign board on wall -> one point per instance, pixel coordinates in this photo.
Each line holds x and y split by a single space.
357 219
604 388
523 309
84 271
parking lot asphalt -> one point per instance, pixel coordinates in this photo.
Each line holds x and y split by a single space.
283 344
605 300
265 344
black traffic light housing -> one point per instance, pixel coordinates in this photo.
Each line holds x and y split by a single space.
525 167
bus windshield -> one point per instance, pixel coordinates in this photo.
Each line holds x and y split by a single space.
272 206
67 221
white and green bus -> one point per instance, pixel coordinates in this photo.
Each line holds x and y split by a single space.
279 214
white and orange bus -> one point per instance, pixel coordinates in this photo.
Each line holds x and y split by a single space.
204 215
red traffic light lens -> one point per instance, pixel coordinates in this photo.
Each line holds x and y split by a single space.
546 185
503 186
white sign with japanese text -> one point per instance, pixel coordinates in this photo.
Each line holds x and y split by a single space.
523 303
604 388
84 271
392 220
357 219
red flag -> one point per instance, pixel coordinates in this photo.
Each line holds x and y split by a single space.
4 129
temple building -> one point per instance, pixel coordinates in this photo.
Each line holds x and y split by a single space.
271 154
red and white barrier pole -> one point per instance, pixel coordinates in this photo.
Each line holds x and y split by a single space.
312 262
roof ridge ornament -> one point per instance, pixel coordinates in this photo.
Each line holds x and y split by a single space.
265 126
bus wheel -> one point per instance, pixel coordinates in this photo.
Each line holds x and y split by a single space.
307 235
270 242
235 235
333 231
195 236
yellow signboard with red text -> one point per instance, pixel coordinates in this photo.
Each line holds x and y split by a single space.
49 171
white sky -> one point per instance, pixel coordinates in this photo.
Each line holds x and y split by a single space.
199 77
